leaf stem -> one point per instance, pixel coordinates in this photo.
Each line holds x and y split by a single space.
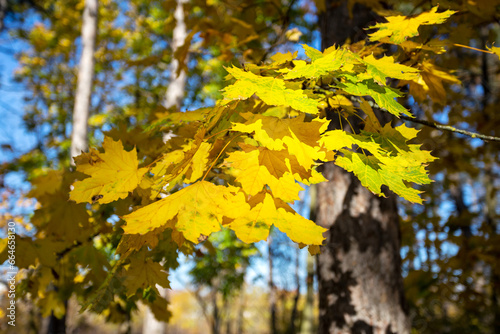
154 161
220 153
350 125
215 134
470 47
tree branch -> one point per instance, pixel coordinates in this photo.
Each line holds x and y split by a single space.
77 244
285 22
450 129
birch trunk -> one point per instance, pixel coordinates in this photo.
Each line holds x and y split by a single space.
79 140
359 268
173 97
177 86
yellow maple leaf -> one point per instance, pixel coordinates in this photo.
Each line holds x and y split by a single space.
279 162
134 242
399 28
52 303
372 123
62 221
46 184
435 45
280 58
293 34
380 69
159 307
31 252
194 210
494 49
267 211
430 82
144 273
113 175
331 60
305 154
185 165
254 176
299 137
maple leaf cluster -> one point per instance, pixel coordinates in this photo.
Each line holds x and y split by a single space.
239 164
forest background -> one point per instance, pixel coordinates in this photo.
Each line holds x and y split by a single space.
149 59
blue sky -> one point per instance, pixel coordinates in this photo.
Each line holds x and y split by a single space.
12 130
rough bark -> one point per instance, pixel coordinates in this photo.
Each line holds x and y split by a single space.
489 182
79 141
359 268
491 205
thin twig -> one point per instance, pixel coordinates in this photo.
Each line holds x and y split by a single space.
77 244
285 21
471 48
450 129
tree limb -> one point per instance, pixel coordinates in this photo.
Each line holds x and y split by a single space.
450 129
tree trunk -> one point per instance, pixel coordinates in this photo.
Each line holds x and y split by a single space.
241 311
79 141
294 314
307 323
216 320
359 268
173 97
491 205
177 86
272 289
56 325
489 185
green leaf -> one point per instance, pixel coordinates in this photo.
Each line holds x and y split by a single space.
384 96
380 69
390 161
270 90
319 66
